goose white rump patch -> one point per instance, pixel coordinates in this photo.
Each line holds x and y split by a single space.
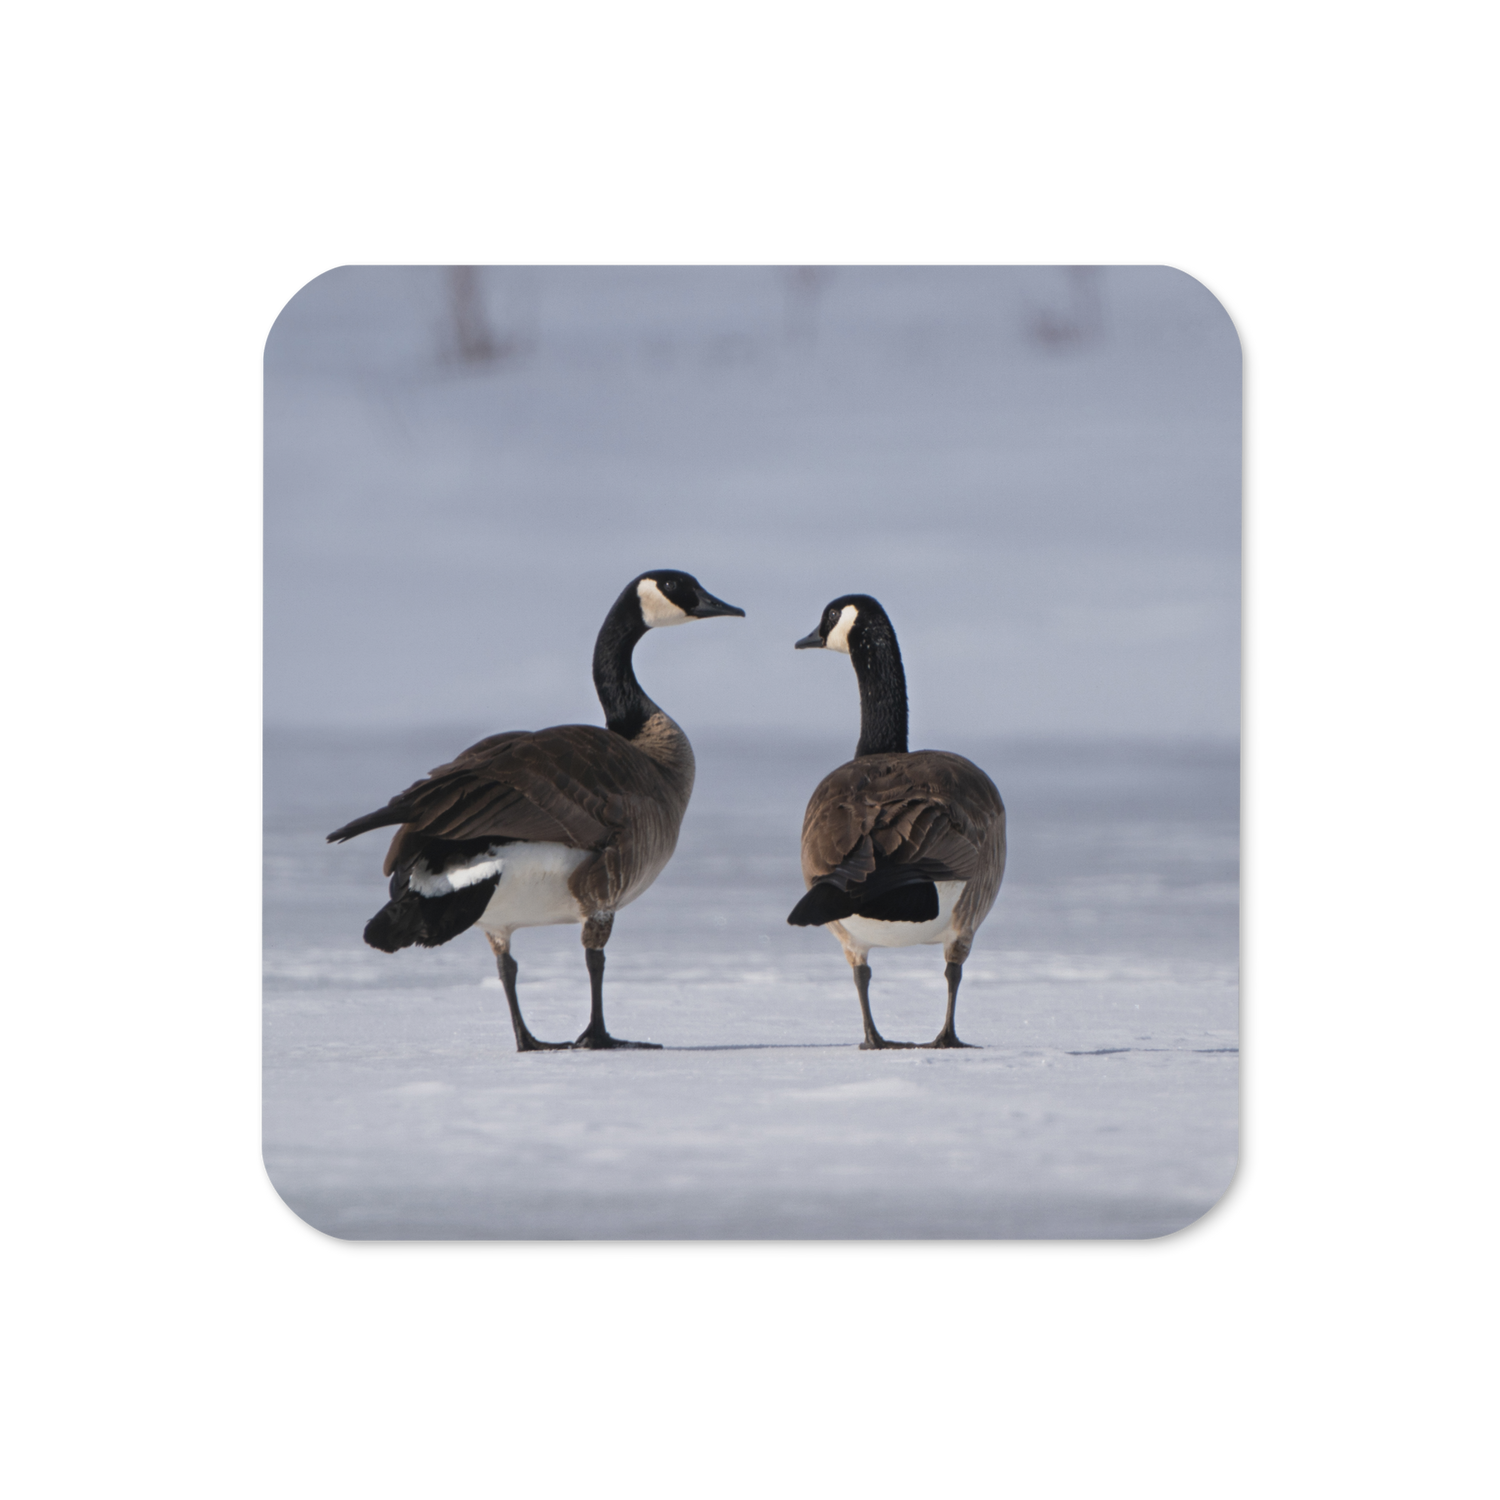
656 609
533 889
869 933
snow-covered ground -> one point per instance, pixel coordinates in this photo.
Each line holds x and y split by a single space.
1102 990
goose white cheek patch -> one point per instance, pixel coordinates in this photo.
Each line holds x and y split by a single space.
838 637
656 609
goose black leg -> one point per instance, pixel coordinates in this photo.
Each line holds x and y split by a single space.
595 1037
948 1037
525 1042
873 1039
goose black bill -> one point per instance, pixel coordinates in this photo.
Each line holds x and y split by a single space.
708 607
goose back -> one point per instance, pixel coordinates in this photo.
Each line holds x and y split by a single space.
927 812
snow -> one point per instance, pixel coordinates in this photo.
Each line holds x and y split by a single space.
1103 1101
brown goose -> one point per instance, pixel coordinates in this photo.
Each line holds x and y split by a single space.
531 829
898 847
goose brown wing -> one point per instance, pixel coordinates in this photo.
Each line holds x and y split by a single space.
927 809
575 785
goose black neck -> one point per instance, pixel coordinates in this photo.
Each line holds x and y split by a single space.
882 690
626 706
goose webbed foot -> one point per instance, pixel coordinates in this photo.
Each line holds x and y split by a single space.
525 1042
947 1038
600 1040
880 1044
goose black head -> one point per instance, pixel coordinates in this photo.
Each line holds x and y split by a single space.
851 615
669 597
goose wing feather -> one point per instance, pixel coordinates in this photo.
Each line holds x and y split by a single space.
575 784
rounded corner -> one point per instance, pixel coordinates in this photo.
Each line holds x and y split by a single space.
1218 302
287 1209
296 1212
305 278
1213 1208
1215 1211
286 306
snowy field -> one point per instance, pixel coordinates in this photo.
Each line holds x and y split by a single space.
1102 992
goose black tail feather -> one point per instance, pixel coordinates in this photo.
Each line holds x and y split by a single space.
892 894
428 920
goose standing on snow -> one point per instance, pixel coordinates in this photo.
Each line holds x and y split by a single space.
898 847
532 829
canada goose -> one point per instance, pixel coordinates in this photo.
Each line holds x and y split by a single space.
898 847
561 825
